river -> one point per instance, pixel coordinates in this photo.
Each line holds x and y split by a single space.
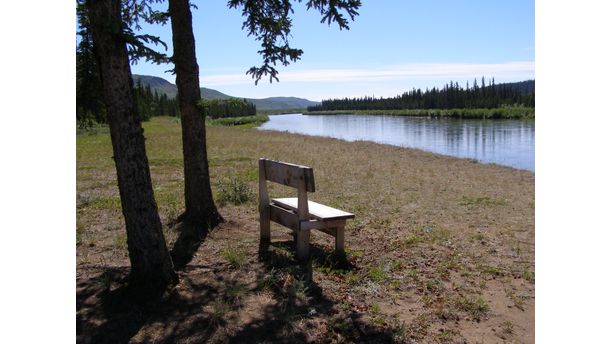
504 142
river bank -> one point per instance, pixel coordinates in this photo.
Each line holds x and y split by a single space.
441 250
497 113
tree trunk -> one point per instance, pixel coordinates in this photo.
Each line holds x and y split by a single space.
200 208
151 266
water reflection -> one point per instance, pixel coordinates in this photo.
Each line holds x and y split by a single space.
504 142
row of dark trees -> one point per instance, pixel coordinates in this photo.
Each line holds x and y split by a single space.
223 108
90 106
150 103
109 27
452 96
90 109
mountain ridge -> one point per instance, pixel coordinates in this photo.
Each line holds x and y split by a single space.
271 103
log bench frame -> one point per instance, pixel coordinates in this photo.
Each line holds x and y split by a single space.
294 213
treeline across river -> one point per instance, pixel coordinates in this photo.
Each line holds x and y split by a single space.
224 108
150 103
512 100
90 109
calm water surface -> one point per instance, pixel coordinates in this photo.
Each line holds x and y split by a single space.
503 142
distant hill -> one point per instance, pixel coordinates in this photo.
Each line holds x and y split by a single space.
209 93
524 87
273 103
157 84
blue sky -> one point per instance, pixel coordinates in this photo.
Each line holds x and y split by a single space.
392 46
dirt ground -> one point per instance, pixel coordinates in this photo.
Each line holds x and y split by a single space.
441 250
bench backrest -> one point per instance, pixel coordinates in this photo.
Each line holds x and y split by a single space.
296 176
287 174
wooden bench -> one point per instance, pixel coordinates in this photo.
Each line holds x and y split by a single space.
299 214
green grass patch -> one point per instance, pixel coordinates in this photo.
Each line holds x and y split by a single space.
236 257
476 306
395 284
493 271
478 237
80 230
269 281
412 240
529 276
412 273
170 201
219 310
354 253
120 242
451 262
298 290
106 203
482 201
234 291
433 286
447 336
352 278
243 122
507 327
427 234
166 162
378 274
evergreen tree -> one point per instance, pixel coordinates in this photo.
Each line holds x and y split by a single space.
151 266
89 103
200 211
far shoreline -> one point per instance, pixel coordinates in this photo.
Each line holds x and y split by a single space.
481 113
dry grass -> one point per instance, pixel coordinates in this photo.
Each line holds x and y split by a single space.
442 249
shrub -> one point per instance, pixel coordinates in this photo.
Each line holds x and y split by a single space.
234 191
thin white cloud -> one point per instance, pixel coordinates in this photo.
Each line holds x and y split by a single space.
519 69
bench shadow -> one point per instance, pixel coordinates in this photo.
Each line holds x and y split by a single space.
299 301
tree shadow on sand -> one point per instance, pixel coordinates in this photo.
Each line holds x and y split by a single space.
105 315
210 302
191 236
113 316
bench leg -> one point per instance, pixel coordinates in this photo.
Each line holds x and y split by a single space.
340 238
302 245
264 224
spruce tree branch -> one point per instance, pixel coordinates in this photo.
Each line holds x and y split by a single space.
269 22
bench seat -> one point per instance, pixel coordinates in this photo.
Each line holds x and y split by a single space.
315 210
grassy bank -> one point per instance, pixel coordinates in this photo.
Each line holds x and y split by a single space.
243 122
280 112
499 113
441 250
